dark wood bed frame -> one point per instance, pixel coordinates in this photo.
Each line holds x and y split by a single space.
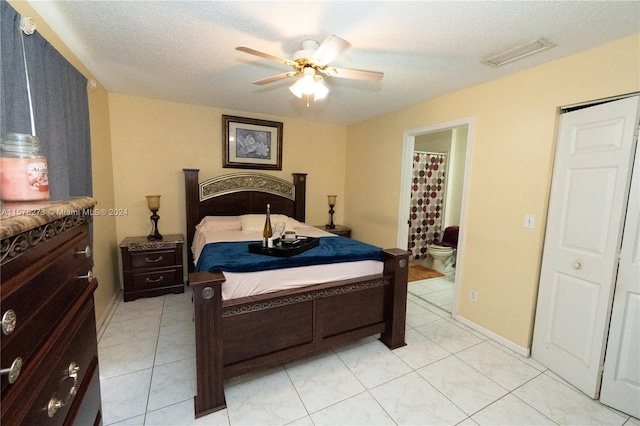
237 336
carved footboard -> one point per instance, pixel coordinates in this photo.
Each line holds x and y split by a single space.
242 335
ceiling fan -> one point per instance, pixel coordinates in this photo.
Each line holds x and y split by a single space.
312 61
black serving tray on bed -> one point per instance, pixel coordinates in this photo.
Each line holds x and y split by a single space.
287 249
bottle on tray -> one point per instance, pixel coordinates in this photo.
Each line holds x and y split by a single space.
267 232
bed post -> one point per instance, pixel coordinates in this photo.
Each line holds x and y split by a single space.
207 305
396 262
192 198
300 184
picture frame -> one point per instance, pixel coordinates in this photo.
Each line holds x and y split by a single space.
250 143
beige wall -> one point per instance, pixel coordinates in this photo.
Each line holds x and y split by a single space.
105 256
511 166
153 141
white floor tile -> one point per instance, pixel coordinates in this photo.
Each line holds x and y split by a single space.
172 383
139 308
373 363
126 358
125 396
177 320
411 400
182 413
506 370
267 400
565 405
175 347
361 409
134 421
418 315
130 330
420 350
323 382
448 335
510 411
466 387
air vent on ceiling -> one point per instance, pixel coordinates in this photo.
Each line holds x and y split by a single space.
519 52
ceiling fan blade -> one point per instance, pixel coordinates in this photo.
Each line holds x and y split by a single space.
330 49
265 55
275 78
354 74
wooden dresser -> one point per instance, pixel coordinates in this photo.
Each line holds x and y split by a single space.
49 355
152 267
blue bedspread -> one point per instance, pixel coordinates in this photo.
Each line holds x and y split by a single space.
235 256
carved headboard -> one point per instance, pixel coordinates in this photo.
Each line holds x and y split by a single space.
241 193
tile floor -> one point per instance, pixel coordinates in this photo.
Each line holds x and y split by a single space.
446 375
437 291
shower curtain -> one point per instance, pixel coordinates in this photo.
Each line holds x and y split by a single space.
427 202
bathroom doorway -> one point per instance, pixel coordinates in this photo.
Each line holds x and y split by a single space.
451 144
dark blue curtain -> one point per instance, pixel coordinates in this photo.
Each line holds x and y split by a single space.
61 108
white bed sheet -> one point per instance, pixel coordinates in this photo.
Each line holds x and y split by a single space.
243 284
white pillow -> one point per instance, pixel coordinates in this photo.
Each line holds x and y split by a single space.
219 223
297 224
255 222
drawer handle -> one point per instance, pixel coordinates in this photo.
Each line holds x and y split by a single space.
14 370
149 280
89 276
146 259
54 403
9 320
86 252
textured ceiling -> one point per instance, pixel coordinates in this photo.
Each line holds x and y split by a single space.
184 51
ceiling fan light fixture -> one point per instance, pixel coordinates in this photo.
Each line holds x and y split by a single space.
310 84
518 52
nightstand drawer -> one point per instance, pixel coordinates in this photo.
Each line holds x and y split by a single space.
155 279
155 259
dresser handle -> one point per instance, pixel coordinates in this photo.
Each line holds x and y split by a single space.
54 403
86 252
89 276
14 370
146 259
9 320
149 280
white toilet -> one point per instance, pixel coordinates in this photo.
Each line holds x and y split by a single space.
441 257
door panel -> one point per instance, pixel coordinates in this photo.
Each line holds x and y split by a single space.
573 333
581 185
621 378
584 229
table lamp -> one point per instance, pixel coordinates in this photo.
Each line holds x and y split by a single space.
332 203
153 201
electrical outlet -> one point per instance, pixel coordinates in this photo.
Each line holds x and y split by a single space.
473 295
529 221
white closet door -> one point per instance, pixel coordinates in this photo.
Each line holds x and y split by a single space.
584 230
621 379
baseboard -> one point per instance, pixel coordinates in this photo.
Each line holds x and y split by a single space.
526 352
108 313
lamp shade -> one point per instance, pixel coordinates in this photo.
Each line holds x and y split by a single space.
153 201
332 199
310 84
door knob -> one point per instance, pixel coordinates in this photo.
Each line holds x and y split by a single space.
576 265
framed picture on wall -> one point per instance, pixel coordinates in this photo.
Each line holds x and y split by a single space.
249 143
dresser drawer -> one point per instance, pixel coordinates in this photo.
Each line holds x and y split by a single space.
154 259
57 371
155 279
31 331
42 301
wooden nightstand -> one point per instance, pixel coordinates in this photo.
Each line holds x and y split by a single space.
152 267
342 230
